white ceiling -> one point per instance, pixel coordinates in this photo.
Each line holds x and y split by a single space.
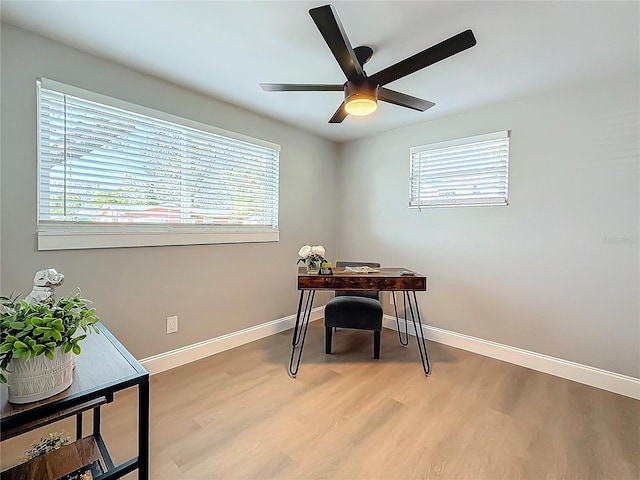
225 49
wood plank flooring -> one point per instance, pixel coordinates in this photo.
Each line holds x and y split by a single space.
238 415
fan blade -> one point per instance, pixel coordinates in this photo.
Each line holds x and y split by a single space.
300 87
397 98
431 55
327 21
340 114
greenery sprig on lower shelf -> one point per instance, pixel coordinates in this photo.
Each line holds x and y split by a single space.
46 444
28 330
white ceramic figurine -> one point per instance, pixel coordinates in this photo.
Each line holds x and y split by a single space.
44 283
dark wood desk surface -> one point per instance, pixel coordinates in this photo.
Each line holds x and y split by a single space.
387 279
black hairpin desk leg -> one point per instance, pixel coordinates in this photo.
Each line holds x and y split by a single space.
415 315
300 330
404 342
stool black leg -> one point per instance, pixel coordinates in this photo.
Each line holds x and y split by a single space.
376 344
328 332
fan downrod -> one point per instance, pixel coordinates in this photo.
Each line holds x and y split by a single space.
363 54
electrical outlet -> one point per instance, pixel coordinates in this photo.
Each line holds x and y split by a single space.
172 324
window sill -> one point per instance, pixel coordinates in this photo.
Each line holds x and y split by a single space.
78 241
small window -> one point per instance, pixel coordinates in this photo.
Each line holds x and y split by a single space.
465 172
115 174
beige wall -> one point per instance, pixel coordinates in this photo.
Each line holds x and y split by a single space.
554 272
214 289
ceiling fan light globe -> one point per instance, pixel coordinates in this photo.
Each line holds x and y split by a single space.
361 105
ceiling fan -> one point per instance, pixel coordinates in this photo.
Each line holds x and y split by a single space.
361 91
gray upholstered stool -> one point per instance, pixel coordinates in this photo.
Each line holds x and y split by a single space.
354 309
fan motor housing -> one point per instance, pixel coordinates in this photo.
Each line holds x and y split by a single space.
361 89
361 98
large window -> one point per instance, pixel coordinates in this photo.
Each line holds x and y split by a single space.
114 174
463 172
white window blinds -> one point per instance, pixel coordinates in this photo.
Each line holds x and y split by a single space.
468 171
106 163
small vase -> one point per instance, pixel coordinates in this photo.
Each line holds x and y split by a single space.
313 266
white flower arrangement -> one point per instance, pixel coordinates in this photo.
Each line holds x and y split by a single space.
312 254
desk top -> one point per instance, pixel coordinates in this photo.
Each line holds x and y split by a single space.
387 279
103 366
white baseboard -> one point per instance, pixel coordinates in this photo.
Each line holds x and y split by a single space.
595 377
191 353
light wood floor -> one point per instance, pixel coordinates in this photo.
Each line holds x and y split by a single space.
239 415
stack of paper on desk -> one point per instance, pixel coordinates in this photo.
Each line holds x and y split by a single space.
361 270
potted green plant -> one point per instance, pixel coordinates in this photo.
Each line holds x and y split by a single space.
37 344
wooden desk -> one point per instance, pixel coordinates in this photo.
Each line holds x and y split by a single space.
103 368
387 279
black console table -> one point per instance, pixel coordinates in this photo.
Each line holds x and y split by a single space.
103 368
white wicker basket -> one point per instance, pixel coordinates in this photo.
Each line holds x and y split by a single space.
39 378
